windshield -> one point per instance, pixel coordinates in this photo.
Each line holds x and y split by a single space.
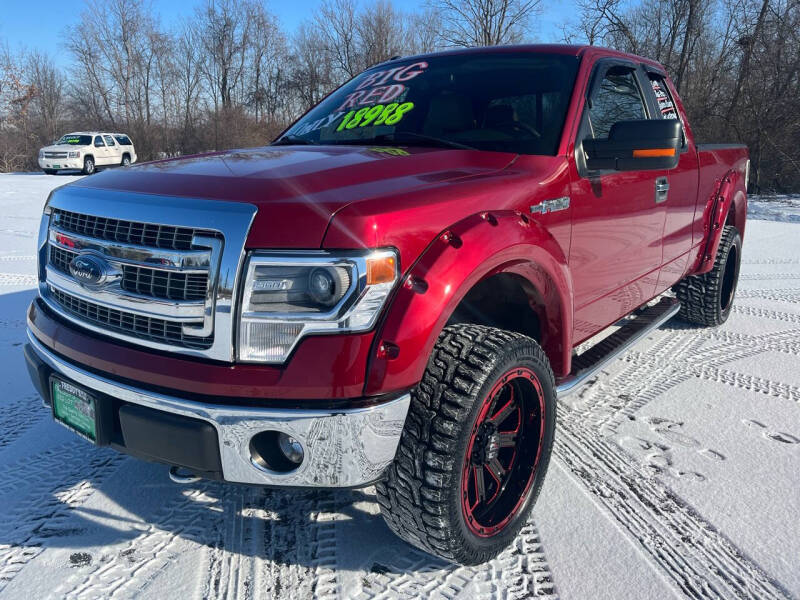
74 140
503 102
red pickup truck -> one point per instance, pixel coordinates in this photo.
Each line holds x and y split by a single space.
393 291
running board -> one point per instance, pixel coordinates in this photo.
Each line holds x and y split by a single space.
598 356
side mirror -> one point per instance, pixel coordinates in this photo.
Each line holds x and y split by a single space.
636 146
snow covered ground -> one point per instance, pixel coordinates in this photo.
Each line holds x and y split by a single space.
677 473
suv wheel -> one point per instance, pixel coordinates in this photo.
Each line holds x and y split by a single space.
475 447
707 299
126 160
49 171
88 165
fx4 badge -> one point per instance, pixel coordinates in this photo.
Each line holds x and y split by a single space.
553 205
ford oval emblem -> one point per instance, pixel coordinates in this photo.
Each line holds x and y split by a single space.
89 270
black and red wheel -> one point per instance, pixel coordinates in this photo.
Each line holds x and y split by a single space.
475 447
503 452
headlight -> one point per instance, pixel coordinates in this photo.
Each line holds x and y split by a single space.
290 295
75 154
41 153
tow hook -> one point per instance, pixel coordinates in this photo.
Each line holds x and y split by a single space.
182 476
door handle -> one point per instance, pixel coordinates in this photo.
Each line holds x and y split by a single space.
662 189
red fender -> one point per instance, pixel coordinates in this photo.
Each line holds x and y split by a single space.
730 191
468 252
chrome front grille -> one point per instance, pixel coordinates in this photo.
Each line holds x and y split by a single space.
154 271
147 328
128 232
55 155
146 281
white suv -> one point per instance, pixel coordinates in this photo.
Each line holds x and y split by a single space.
87 151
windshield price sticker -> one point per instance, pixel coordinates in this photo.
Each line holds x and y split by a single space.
375 101
379 92
391 114
74 139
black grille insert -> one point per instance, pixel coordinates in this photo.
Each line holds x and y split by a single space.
147 328
128 232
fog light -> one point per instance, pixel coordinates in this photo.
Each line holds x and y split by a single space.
291 448
276 451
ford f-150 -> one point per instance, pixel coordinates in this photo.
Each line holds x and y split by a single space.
397 289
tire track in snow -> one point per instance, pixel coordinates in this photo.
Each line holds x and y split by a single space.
16 417
47 511
765 313
767 276
183 519
699 560
18 279
17 257
520 571
776 294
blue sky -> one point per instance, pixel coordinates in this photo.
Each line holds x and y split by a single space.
41 24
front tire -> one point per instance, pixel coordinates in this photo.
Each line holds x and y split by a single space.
476 445
88 166
707 299
49 171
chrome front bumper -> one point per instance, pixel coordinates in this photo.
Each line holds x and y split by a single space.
343 448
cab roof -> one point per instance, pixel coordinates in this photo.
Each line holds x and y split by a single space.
577 50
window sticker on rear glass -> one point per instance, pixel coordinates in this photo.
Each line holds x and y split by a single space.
665 104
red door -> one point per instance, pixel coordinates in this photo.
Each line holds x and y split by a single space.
681 198
616 249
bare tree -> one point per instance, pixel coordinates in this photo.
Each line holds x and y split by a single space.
484 22
49 103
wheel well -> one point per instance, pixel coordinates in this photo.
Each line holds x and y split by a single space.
731 218
504 301
124 154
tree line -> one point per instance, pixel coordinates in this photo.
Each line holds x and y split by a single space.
230 75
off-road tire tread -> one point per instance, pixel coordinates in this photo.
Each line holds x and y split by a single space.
699 294
413 494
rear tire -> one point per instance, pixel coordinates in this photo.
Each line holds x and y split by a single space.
707 299
88 166
126 160
441 493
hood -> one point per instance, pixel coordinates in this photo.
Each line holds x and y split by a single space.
63 148
298 189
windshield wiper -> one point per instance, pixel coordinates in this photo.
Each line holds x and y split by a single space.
408 138
400 136
293 140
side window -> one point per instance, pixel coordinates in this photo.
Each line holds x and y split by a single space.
666 105
98 142
109 140
617 98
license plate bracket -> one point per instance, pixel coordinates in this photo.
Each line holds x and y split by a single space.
75 408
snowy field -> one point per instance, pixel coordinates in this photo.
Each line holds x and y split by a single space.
677 473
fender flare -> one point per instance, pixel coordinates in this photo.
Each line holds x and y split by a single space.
466 253
730 199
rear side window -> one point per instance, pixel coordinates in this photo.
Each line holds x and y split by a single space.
617 98
665 104
124 140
